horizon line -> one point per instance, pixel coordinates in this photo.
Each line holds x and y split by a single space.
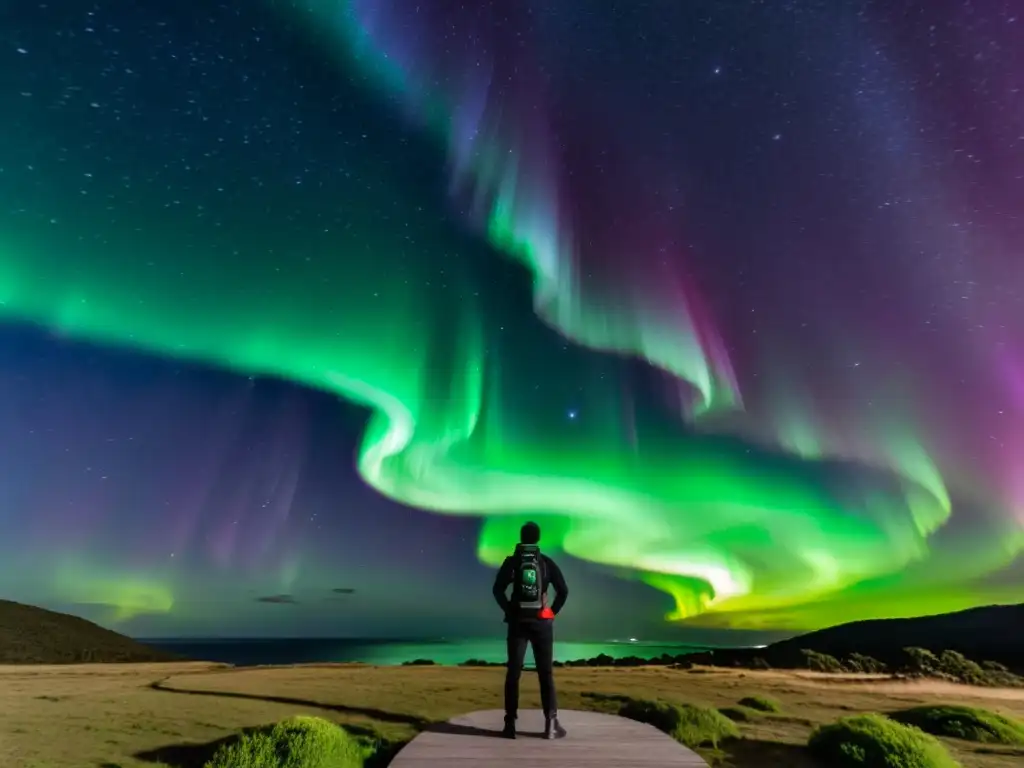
411 639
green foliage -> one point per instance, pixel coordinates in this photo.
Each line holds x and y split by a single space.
688 724
858 662
299 742
921 661
821 662
958 667
998 675
875 741
761 703
951 665
968 723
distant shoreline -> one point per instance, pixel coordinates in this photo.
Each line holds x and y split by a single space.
445 642
245 652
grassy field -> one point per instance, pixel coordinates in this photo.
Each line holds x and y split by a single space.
138 715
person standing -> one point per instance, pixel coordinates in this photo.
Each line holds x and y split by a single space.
530 621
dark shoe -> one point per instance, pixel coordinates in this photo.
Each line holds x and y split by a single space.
509 731
552 728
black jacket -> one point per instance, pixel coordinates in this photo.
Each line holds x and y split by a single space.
552 575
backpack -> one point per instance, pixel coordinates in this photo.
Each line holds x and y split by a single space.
530 583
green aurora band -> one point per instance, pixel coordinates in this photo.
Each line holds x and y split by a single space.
737 534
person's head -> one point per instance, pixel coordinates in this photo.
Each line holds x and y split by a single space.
529 534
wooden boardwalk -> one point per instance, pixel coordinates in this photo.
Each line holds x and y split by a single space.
593 741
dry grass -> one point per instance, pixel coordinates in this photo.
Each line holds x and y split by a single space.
112 715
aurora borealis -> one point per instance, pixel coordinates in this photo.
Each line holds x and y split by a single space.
334 294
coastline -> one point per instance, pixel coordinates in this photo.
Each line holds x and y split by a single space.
248 652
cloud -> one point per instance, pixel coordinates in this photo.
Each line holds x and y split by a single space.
343 590
279 599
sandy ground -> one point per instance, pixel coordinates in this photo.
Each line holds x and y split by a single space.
105 716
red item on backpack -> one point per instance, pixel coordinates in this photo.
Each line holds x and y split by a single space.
545 612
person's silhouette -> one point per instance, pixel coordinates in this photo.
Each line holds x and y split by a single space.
530 620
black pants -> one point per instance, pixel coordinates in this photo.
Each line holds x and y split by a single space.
540 635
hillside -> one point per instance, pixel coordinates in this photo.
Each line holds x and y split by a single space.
30 635
989 633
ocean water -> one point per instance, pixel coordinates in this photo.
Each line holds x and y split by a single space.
252 652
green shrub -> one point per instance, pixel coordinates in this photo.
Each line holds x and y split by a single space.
858 662
959 667
761 703
688 724
874 741
821 662
299 742
998 675
953 665
920 661
959 722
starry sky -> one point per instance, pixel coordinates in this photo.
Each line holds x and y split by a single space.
307 306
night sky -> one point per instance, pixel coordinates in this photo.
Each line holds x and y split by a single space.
307 306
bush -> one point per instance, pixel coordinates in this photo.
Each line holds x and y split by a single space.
959 667
998 675
858 662
967 723
299 742
688 724
761 703
920 661
821 662
759 662
874 741
952 665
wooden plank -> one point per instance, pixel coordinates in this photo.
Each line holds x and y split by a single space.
594 740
